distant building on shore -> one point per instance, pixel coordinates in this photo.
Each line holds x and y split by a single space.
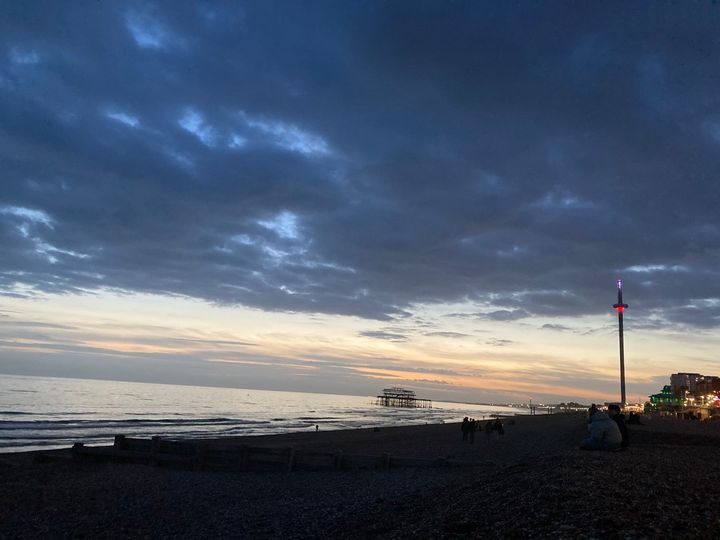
666 400
689 395
694 383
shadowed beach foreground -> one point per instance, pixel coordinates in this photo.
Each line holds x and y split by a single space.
531 482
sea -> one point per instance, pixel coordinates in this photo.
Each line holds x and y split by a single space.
46 412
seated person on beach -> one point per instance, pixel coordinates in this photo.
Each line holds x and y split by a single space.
493 425
592 410
619 418
604 433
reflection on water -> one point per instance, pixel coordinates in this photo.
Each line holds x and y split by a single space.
43 412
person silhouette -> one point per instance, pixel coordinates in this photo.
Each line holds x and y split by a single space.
619 418
592 410
465 427
604 433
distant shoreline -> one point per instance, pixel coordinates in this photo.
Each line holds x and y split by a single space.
166 383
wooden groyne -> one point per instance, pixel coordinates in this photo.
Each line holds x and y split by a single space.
201 455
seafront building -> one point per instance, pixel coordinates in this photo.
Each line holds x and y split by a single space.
689 395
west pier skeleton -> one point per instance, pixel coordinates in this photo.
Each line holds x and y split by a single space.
401 397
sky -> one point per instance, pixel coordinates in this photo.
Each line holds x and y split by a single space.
337 197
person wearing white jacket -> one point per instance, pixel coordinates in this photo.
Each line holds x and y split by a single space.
604 433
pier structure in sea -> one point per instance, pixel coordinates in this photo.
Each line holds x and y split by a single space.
401 397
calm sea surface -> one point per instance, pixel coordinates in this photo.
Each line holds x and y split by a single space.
39 412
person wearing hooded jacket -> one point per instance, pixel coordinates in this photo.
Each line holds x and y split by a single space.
618 417
604 433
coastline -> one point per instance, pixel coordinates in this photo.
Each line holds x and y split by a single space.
41 413
415 440
532 481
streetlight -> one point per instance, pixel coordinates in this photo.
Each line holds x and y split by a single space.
620 307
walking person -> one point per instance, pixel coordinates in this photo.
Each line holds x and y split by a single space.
465 426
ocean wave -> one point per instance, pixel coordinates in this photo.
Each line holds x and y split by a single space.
131 422
26 413
324 418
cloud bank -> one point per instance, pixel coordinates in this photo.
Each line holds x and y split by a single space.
360 158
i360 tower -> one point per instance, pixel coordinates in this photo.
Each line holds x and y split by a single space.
620 307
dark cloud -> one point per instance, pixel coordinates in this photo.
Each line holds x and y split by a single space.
557 327
506 315
33 324
431 381
364 158
497 342
388 336
447 334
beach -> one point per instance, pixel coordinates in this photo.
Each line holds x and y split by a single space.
531 481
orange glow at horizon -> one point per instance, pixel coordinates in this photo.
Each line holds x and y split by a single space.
460 356
495 384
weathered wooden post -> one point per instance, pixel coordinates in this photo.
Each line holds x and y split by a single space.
200 456
77 450
338 461
155 450
119 443
290 459
244 458
155 445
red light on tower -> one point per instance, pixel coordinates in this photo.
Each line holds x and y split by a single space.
620 307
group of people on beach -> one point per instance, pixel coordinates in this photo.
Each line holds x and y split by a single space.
470 425
607 429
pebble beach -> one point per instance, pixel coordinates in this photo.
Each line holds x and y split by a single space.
533 481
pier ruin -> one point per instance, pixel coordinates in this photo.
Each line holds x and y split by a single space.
401 397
